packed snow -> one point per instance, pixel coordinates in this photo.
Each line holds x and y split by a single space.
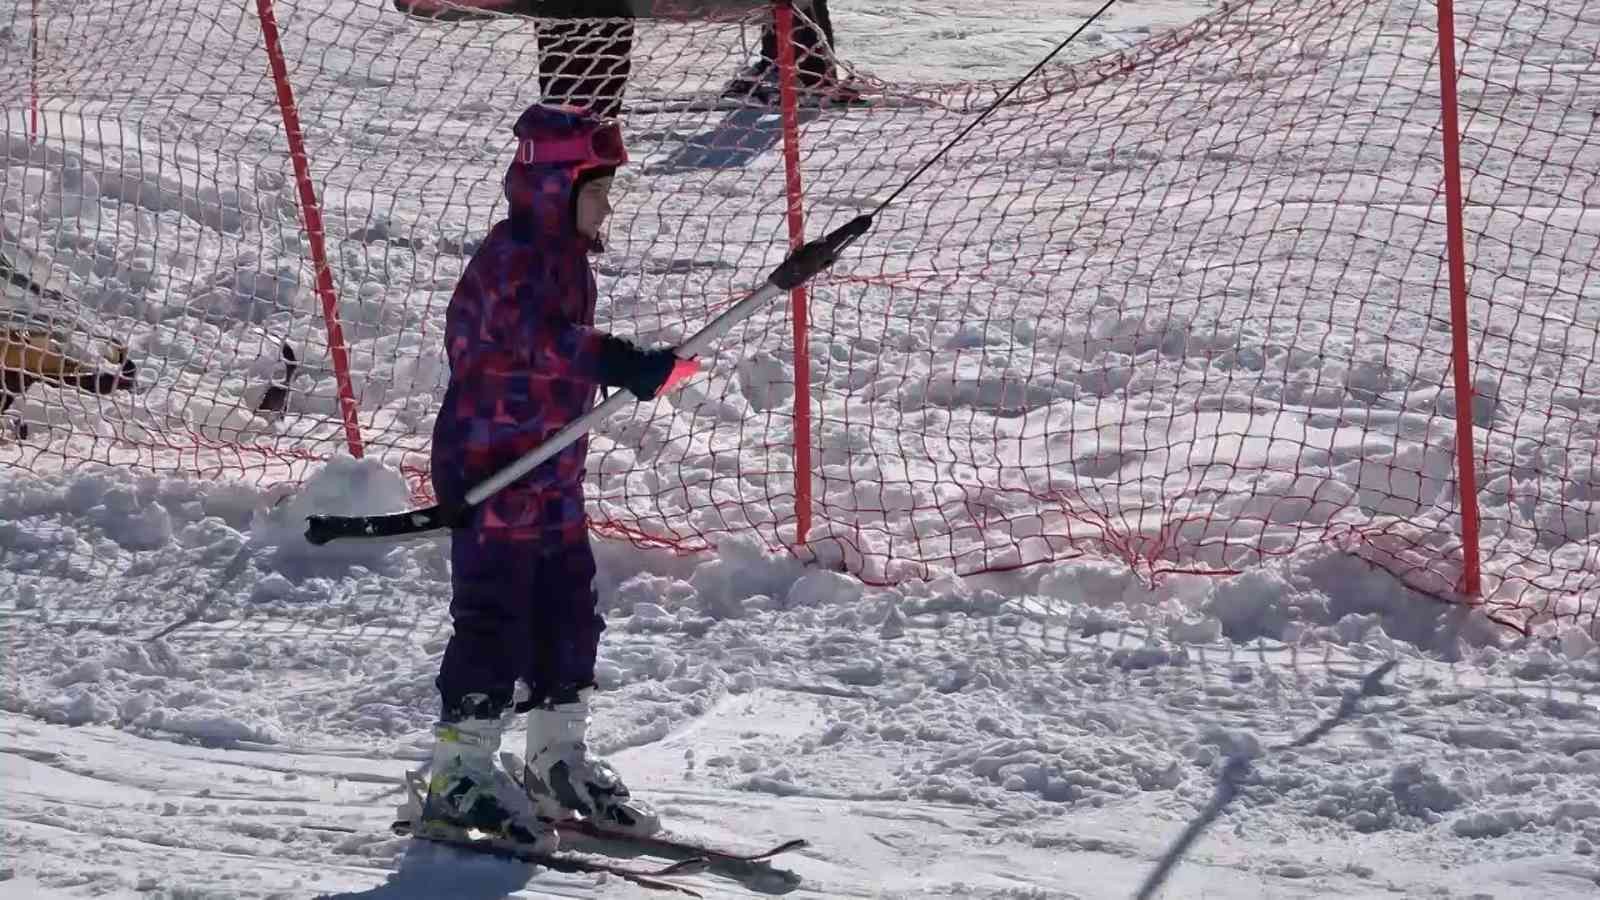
197 703
231 717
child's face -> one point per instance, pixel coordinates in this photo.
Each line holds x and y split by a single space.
594 204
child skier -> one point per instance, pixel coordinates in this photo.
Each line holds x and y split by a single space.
525 360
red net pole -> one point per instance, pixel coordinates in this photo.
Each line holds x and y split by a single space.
1467 481
793 188
313 221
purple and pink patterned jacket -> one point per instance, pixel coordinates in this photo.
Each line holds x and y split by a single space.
523 351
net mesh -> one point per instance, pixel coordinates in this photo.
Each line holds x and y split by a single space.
1184 304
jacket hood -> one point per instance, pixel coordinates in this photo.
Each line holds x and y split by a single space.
557 148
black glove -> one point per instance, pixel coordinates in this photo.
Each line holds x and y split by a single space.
642 372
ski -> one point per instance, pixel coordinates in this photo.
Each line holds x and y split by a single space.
675 846
560 861
750 868
461 839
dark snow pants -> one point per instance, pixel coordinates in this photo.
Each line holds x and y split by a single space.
522 610
586 63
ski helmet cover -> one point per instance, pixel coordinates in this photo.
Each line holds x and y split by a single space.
567 137
558 148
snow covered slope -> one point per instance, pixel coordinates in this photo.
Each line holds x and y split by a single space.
233 721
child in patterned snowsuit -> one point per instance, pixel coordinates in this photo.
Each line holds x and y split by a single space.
525 360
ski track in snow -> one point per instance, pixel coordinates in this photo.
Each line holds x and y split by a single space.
196 704
1039 784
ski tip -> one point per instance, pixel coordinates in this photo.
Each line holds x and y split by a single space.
686 867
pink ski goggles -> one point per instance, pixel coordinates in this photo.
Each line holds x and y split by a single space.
600 146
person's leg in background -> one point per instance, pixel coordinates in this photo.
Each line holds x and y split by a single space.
815 52
585 63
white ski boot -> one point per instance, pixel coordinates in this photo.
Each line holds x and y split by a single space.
564 780
467 792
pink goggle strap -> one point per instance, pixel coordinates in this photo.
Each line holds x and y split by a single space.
602 146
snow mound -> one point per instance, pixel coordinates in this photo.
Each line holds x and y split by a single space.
342 487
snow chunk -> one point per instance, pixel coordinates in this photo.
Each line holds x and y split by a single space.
146 528
1416 789
743 568
1093 582
78 706
1350 585
1576 642
232 502
1194 630
211 726
273 587
1259 603
1570 810
824 589
651 617
765 381
1491 824
894 624
1578 743
90 671
657 591
1484 738
137 705
864 672
1150 656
